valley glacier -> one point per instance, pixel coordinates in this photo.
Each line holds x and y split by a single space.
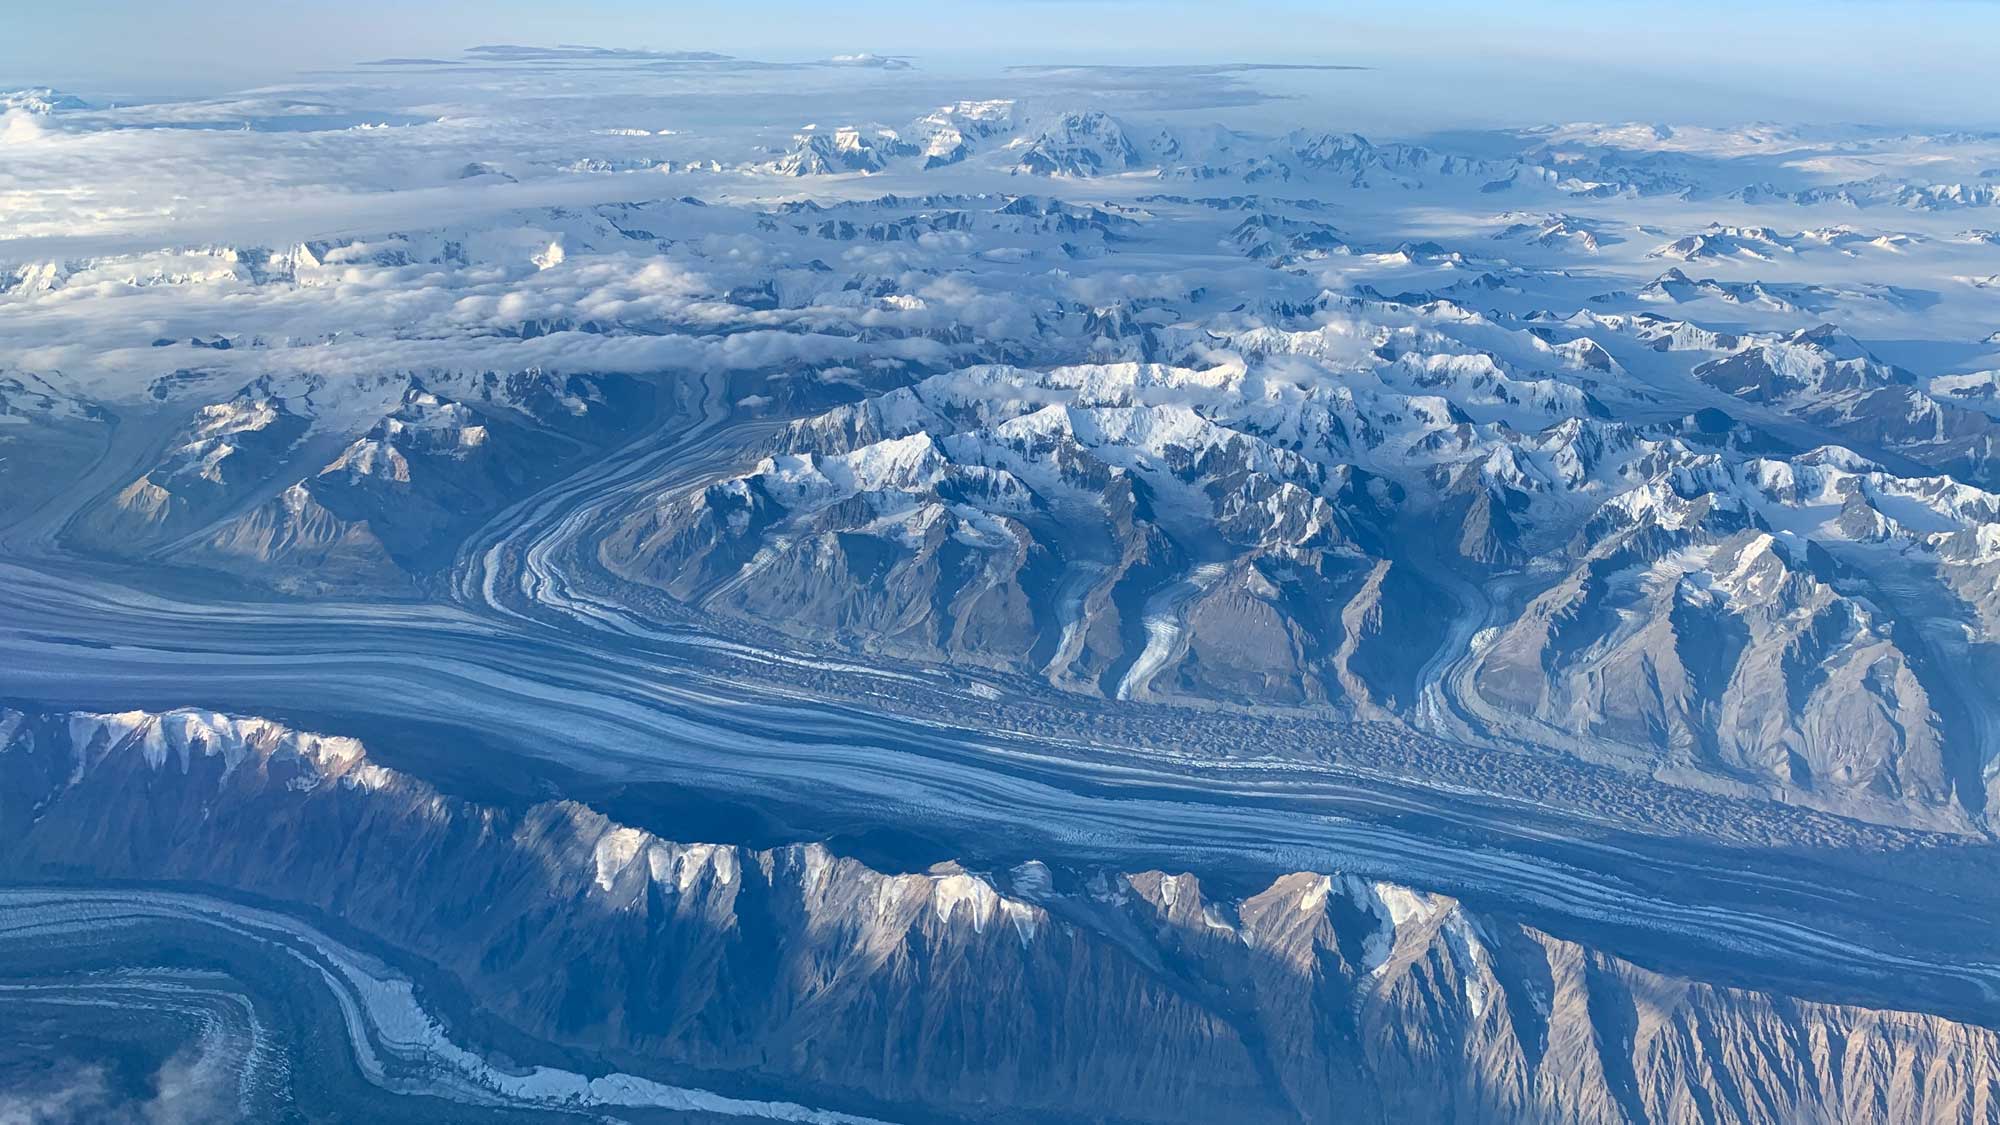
671 586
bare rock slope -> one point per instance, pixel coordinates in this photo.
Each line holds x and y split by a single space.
1026 995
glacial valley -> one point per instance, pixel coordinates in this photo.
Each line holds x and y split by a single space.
1023 603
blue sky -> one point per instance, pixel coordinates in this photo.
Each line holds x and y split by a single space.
1909 59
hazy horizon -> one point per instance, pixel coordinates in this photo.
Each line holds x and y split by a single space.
1863 60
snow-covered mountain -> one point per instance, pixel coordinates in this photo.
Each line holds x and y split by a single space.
384 510
40 100
951 133
952 494
1058 524
1049 991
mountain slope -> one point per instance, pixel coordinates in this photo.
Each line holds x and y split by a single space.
1039 994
